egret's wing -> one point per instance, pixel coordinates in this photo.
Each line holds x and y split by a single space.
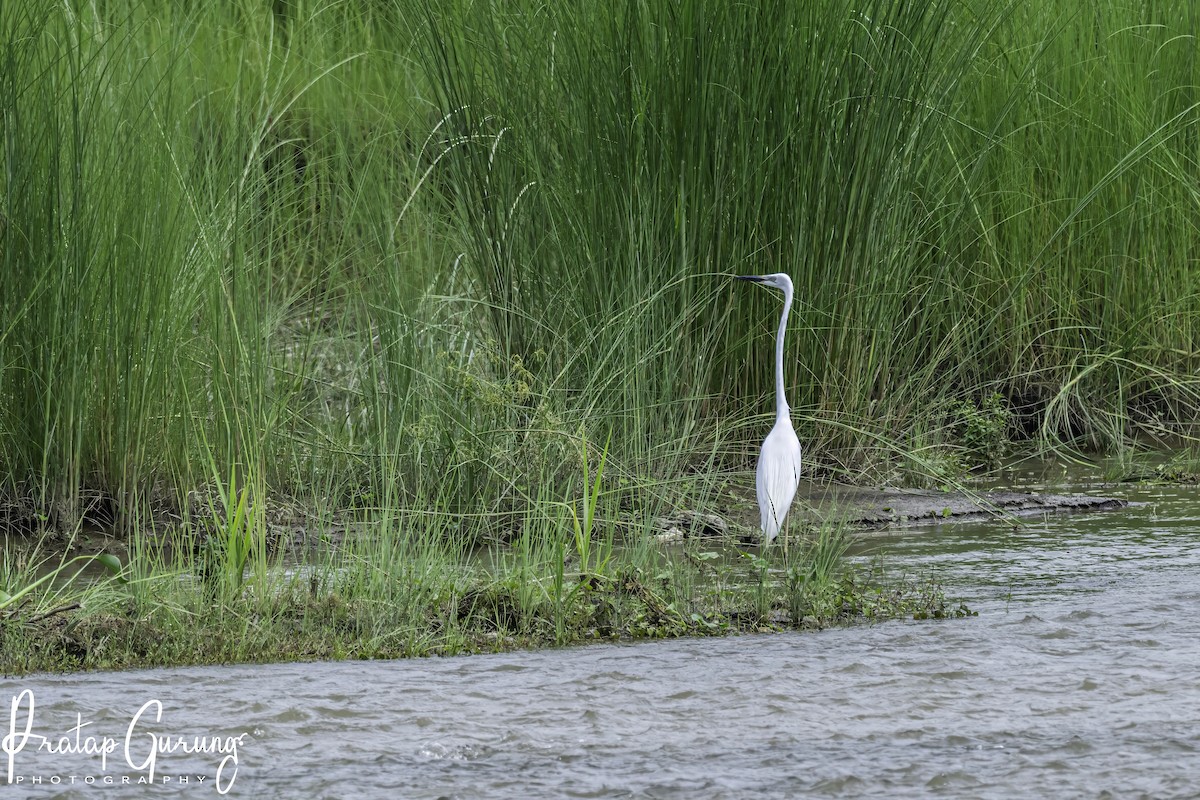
777 477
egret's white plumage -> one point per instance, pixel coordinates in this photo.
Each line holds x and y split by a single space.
778 471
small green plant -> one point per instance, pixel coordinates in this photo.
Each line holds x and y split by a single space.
570 599
982 428
230 541
234 531
812 569
583 528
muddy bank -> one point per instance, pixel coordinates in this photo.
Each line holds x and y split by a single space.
874 508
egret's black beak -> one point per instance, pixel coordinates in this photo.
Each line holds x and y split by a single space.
754 278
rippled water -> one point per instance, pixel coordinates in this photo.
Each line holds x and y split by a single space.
1079 678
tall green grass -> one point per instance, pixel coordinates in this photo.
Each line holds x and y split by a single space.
969 197
406 258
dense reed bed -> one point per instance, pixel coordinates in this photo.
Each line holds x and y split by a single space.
407 263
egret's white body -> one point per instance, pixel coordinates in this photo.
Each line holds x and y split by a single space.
778 472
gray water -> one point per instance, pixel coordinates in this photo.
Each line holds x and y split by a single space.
1079 678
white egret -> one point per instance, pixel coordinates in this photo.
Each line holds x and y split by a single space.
778 471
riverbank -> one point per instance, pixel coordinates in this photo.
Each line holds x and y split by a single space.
312 613
374 593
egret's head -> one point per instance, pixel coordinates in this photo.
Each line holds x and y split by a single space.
777 280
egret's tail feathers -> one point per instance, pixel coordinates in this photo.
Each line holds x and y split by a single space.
770 525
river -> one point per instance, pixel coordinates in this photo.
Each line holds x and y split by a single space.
1079 678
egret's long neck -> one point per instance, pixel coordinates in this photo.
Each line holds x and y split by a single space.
781 406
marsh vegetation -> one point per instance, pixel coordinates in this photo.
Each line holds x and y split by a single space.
365 287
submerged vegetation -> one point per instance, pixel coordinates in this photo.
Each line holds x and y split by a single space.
360 285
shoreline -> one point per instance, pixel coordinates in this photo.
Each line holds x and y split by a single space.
375 597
